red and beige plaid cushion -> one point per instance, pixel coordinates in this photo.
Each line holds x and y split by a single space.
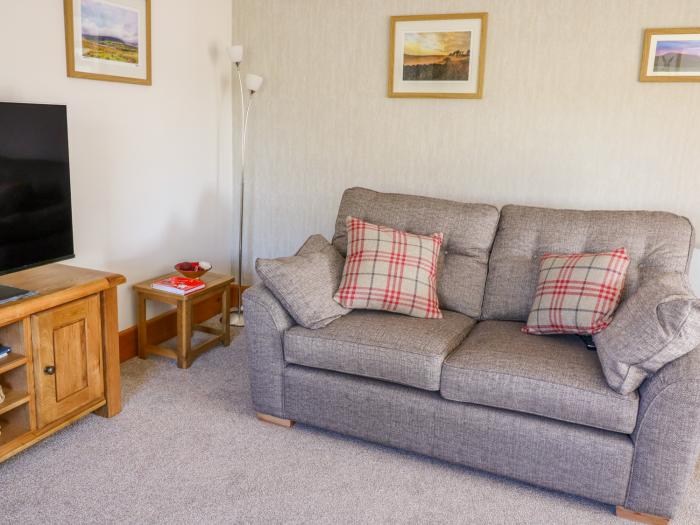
388 269
577 293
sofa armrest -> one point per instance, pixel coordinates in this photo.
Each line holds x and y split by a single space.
666 438
266 321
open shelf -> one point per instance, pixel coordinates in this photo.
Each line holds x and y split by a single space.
14 379
14 424
17 408
11 362
13 399
12 335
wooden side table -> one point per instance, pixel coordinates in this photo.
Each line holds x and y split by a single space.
216 284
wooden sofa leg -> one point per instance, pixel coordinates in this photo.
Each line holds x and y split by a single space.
288 423
627 514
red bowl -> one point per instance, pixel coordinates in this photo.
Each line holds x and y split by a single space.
193 270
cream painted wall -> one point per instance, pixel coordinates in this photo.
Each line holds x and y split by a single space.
563 122
150 165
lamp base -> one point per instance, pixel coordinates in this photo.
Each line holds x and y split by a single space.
236 319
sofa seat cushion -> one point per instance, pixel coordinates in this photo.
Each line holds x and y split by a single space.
380 345
553 376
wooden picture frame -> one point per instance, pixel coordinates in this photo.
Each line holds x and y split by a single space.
454 38
102 56
670 66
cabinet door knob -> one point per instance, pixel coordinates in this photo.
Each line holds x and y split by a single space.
50 370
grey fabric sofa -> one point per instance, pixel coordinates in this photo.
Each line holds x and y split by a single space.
472 388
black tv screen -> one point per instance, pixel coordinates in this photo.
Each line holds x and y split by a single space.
36 224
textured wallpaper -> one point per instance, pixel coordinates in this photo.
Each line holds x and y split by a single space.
564 121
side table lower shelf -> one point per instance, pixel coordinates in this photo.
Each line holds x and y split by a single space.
194 351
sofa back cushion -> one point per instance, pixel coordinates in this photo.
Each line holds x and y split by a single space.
468 231
656 242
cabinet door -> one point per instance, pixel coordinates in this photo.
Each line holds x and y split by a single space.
67 348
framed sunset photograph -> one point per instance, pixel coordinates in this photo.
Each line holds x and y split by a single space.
109 40
671 55
438 56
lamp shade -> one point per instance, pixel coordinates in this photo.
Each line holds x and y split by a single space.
236 53
253 82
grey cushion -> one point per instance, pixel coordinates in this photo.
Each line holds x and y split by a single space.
381 345
468 229
305 283
552 376
315 243
656 242
659 323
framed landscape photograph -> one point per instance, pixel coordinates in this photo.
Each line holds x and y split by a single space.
671 55
109 40
440 56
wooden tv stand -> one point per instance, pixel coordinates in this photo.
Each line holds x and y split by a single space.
65 353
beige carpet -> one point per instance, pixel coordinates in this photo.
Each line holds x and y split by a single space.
187 449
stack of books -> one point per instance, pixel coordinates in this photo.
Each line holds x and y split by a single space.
178 285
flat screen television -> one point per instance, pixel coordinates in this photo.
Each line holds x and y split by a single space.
36 225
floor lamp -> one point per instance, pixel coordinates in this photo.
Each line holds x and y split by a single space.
252 83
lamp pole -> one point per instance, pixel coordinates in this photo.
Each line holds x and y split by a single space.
253 83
